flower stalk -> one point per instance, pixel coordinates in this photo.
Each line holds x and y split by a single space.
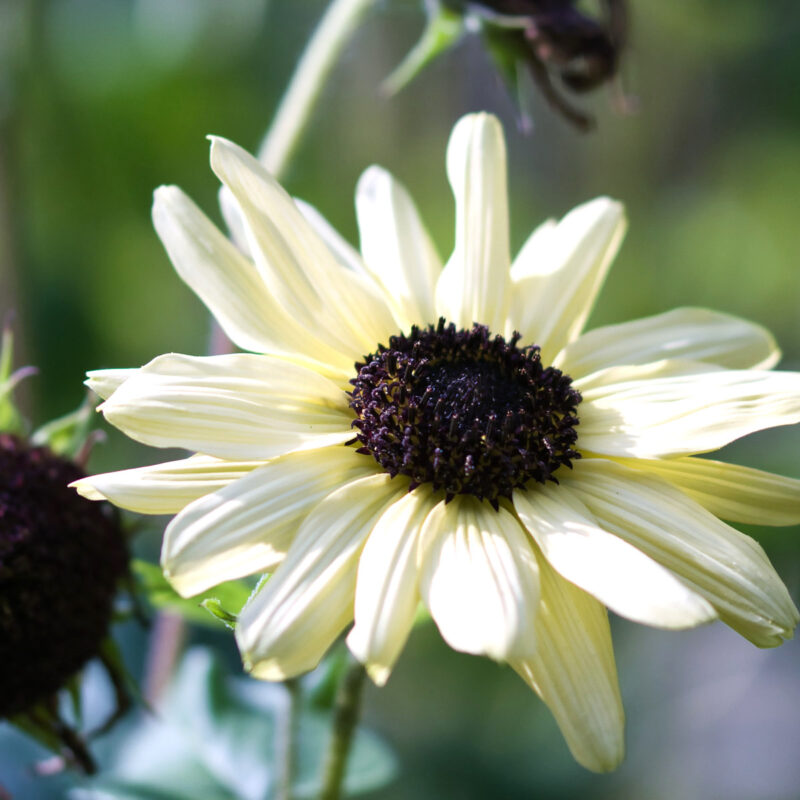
329 39
346 713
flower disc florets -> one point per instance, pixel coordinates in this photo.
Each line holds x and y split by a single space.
465 411
60 559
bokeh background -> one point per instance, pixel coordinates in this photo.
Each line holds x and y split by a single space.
103 100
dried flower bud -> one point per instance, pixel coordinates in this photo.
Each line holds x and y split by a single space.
61 557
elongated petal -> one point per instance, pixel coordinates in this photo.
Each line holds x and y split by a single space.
164 488
396 247
696 334
341 249
104 382
723 565
475 284
235 406
681 415
334 303
230 285
611 570
479 579
728 491
387 591
550 309
247 526
287 627
535 256
574 673
612 377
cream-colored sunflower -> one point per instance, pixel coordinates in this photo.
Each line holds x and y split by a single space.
404 431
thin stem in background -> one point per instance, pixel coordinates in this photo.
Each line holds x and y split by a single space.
327 42
286 740
345 719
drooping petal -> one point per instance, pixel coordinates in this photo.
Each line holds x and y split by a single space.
104 382
164 488
287 627
247 526
231 286
664 417
619 575
387 590
336 304
574 673
551 305
479 579
696 334
729 491
475 284
239 406
723 565
396 247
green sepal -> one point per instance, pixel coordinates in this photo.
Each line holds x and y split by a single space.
36 723
443 30
214 607
160 594
66 436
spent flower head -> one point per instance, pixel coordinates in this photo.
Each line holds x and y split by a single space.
409 431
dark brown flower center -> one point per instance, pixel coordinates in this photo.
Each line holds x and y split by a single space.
465 411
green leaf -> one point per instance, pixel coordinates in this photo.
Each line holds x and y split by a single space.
442 31
232 595
66 435
214 607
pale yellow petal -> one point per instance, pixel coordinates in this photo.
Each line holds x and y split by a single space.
239 406
479 579
728 491
396 247
685 414
387 591
614 572
287 627
550 306
574 673
247 526
534 257
475 284
340 306
164 488
104 382
231 286
727 568
694 334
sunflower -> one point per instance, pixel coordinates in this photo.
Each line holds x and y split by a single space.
406 431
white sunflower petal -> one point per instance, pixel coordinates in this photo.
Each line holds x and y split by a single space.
396 247
287 627
104 382
574 673
551 309
247 526
345 308
696 334
387 592
617 574
342 250
479 579
729 491
673 416
667 368
230 286
239 406
534 257
475 284
723 565
163 488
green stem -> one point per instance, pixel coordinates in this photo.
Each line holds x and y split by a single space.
329 39
345 718
286 739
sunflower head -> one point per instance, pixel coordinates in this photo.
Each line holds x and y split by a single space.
60 559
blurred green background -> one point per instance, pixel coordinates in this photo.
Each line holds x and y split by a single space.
103 100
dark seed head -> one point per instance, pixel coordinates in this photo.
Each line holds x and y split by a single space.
60 559
465 411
